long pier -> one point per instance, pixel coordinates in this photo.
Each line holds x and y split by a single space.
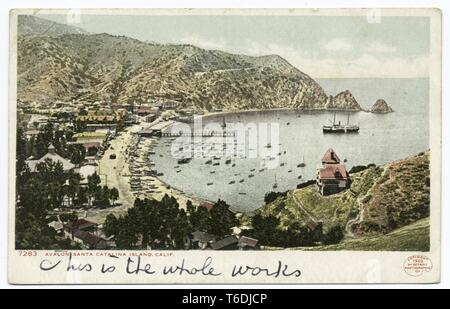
198 134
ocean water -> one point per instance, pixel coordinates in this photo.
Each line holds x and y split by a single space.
298 139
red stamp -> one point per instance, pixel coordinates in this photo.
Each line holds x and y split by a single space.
416 265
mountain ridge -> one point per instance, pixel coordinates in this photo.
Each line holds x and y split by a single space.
103 67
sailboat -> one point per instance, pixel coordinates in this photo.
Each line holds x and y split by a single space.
340 128
275 185
302 164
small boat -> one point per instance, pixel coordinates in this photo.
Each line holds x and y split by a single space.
302 164
252 170
290 171
262 170
232 182
208 162
268 145
288 123
209 183
228 161
282 164
216 164
242 193
212 172
178 171
251 175
299 177
184 160
241 181
234 164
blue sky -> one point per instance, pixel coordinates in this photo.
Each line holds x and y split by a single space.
321 46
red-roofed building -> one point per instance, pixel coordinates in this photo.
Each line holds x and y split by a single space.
80 225
207 205
147 110
332 177
330 157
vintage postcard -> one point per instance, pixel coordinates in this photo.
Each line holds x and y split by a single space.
224 146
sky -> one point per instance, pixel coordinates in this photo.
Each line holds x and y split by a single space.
321 46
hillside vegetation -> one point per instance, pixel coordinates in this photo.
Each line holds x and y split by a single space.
381 199
413 237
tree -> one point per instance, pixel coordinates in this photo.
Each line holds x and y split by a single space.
181 229
40 146
272 196
92 151
73 187
82 197
77 154
199 218
93 186
110 225
222 219
114 194
334 235
37 194
150 224
21 146
265 229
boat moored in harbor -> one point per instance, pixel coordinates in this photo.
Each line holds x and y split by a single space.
340 128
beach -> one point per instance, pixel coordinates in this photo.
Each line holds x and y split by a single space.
131 162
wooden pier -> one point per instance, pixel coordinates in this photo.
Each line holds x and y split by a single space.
198 134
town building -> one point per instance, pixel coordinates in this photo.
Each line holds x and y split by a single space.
29 134
151 117
86 234
147 110
108 128
227 243
248 243
332 177
90 139
201 240
90 241
54 157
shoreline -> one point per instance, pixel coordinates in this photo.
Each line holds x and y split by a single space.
116 173
281 109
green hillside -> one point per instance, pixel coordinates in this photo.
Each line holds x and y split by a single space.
413 237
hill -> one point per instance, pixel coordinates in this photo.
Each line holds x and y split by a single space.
413 237
77 66
381 199
28 25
